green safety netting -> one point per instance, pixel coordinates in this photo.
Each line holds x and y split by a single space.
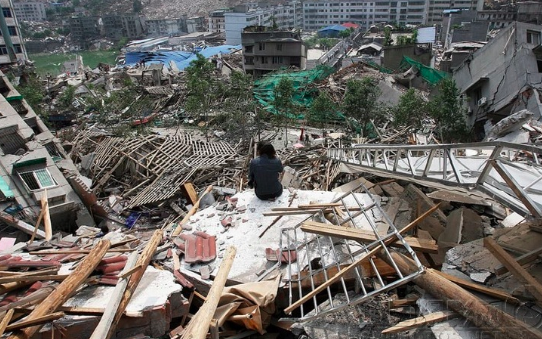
429 74
301 80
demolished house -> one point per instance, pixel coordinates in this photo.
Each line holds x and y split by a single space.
509 83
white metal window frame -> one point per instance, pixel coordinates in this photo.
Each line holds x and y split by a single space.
37 179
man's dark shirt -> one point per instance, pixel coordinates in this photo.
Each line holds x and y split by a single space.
264 174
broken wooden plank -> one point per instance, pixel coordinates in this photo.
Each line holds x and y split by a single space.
198 326
135 278
21 225
483 315
193 210
420 245
480 288
402 302
5 321
35 321
522 260
532 285
66 288
366 256
190 192
32 278
427 319
31 299
109 313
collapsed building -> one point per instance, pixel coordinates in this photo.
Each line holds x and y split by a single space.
366 240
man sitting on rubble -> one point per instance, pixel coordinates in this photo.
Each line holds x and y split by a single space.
264 172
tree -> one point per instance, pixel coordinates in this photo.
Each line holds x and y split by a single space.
449 112
388 41
201 87
322 109
359 100
66 98
410 110
283 95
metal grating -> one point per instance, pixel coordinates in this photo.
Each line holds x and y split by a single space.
320 257
510 173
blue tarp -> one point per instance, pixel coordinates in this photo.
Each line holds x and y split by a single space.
181 59
339 28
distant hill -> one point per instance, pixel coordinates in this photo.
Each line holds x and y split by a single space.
155 9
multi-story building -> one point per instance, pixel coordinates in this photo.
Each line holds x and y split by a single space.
30 11
266 50
437 8
133 25
112 27
83 29
217 22
31 162
286 16
321 13
498 18
169 27
12 48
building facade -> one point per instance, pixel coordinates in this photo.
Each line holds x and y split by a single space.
169 27
31 159
217 22
281 17
266 50
83 29
30 11
510 82
12 48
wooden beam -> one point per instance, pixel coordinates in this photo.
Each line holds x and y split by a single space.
109 313
35 321
143 261
46 216
32 278
419 245
324 205
522 260
483 315
364 257
420 321
190 193
47 252
31 299
479 288
531 284
401 302
198 326
65 289
21 225
129 272
5 321
190 213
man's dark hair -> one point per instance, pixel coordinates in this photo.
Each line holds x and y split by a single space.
265 147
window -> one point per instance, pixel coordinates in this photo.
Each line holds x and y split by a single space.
17 48
277 60
279 47
261 46
533 37
249 49
7 12
12 31
264 60
37 179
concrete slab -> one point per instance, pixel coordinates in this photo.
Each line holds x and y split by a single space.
247 226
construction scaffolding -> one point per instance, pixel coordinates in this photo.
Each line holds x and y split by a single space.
510 173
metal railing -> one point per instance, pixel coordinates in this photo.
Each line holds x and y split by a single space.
510 173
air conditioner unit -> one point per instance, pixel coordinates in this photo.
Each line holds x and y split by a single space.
482 101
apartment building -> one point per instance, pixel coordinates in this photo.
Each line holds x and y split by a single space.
266 50
11 42
281 16
217 22
365 13
169 27
437 8
31 162
30 11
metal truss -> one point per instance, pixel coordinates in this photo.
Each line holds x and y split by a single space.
510 173
318 258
